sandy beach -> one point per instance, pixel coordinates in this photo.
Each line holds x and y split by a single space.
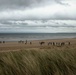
36 44
19 58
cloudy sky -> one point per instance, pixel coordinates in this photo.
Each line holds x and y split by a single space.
50 16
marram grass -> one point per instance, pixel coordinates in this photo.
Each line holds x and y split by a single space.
38 62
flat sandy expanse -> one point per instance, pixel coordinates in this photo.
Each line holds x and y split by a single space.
35 44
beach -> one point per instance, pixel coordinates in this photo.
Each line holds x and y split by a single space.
38 57
16 45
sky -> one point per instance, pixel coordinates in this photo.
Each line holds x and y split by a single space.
38 16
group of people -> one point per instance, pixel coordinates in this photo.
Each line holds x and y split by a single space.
2 41
49 43
56 43
25 42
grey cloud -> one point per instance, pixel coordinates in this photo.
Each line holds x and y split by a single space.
65 16
12 23
60 2
4 4
48 25
36 24
15 10
18 3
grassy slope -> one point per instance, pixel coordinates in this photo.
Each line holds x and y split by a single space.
38 62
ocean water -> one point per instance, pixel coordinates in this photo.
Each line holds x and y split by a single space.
34 36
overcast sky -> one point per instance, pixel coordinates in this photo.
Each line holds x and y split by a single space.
38 16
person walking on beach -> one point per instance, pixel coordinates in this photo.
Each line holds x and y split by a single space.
68 43
26 42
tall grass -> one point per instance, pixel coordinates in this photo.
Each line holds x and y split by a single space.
38 62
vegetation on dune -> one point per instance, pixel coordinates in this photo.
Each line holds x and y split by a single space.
38 62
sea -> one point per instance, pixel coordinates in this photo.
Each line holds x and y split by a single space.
34 36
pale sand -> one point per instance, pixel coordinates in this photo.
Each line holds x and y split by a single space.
7 46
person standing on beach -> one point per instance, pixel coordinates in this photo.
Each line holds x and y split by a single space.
30 43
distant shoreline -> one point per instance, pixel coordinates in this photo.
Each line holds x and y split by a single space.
41 33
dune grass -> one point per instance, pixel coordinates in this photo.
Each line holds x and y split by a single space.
38 62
